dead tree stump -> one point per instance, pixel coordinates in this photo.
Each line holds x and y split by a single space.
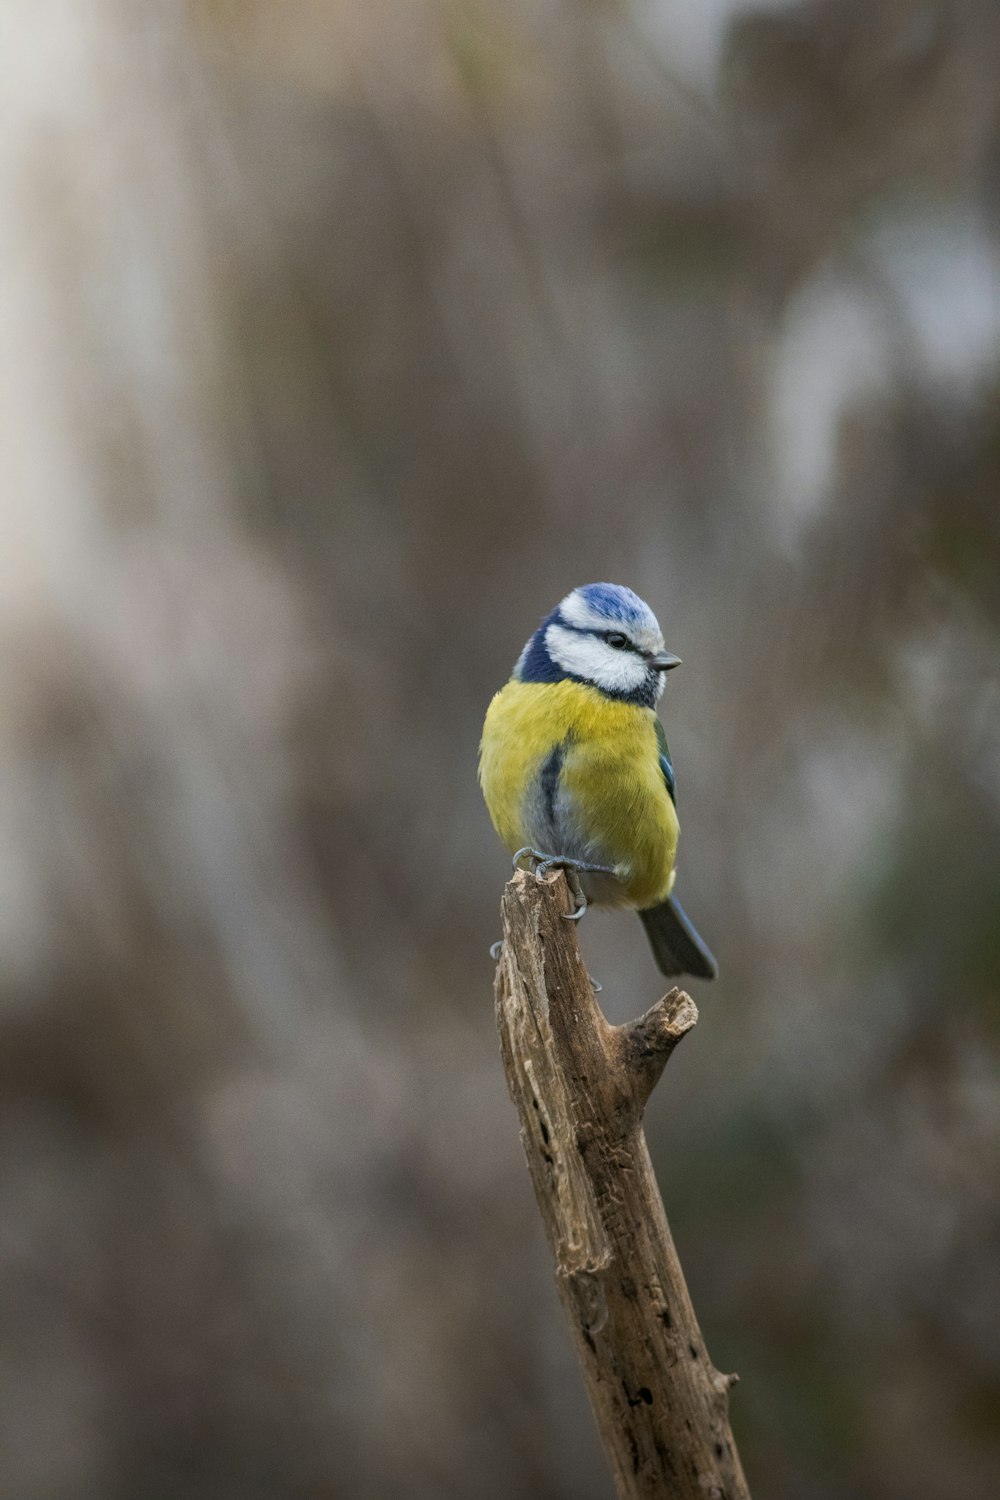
580 1086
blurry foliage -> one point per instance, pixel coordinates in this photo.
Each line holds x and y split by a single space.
339 340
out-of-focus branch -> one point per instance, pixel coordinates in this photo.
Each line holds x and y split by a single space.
580 1087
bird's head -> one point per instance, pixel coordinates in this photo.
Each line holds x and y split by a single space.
604 635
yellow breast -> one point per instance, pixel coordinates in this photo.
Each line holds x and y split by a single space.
610 777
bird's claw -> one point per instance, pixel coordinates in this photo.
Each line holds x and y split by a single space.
495 949
537 857
573 881
573 869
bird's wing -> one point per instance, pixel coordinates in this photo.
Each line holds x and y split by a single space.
666 764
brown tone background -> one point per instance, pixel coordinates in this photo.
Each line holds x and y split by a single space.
337 342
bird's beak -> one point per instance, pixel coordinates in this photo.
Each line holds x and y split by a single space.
664 661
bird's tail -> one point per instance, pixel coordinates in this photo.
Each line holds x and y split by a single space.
676 945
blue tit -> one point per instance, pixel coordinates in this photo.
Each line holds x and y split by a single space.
575 768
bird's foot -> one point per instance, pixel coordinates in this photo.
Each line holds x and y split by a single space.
574 868
536 855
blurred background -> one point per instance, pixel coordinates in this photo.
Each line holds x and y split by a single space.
338 340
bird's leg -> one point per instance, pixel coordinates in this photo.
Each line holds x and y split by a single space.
495 949
563 862
573 868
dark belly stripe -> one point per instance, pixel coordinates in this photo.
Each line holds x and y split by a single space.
551 771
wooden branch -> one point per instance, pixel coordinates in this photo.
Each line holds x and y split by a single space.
580 1086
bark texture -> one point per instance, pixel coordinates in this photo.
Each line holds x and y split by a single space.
580 1086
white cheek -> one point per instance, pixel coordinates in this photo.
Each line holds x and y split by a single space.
595 661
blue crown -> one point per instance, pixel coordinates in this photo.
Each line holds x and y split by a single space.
616 604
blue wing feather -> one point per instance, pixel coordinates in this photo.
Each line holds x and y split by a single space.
666 764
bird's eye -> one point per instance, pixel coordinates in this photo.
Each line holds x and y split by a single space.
616 639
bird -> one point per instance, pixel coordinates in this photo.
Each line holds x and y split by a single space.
576 772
